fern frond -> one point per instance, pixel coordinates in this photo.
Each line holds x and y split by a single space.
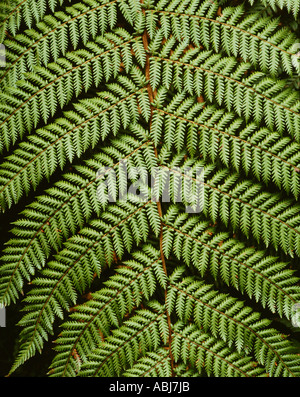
54 145
54 35
221 136
230 320
150 178
25 11
48 89
58 214
292 6
143 332
245 206
134 280
202 351
153 364
253 37
31 12
263 278
75 267
257 97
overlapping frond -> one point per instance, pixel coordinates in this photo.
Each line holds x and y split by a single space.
153 364
230 320
66 207
53 35
33 13
245 205
25 11
292 6
146 331
261 40
255 97
52 87
53 146
74 268
135 280
222 136
203 352
263 278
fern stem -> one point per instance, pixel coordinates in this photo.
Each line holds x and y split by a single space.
159 208
166 291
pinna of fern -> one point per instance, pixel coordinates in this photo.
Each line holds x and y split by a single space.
143 287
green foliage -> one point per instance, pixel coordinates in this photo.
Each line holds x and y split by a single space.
144 287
